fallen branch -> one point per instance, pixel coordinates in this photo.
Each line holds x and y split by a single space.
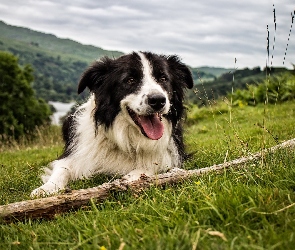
50 206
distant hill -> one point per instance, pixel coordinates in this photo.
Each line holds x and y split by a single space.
52 45
214 70
58 63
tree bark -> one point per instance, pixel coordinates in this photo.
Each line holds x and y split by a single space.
48 207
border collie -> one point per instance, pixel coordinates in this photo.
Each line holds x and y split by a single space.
130 125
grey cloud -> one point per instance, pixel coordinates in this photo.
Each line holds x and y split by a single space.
202 32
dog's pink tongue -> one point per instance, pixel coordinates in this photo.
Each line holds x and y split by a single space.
152 126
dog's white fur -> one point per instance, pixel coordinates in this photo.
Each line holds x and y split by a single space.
121 149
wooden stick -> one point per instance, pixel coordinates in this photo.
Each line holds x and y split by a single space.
50 206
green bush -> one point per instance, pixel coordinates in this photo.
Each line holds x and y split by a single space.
20 110
275 89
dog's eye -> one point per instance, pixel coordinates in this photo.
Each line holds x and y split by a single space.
163 79
130 80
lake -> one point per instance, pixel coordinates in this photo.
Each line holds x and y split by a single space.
61 110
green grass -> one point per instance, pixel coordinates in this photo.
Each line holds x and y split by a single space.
215 137
247 208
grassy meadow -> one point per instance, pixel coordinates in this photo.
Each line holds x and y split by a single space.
248 208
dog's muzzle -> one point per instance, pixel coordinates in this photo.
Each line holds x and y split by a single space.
150 124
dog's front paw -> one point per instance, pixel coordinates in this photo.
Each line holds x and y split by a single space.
45 190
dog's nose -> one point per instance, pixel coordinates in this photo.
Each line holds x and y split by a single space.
156 101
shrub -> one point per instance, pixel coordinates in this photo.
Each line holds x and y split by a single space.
275 89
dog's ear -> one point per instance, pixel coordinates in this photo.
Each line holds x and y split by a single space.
181 72
181 79
94 76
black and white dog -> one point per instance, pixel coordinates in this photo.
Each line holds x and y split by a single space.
131 124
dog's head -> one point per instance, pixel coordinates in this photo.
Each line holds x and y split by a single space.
144 86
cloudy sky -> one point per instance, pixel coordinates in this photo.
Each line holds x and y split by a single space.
201 32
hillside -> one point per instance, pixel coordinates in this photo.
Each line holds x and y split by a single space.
57 63
215 71
51 45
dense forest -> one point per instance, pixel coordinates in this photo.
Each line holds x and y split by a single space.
54 79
